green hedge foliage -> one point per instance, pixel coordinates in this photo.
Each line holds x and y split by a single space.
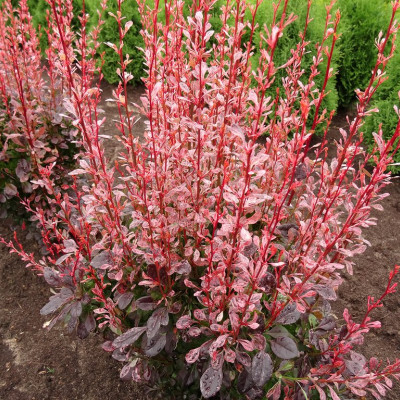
132 41
38 9
385 97
361 22
290 39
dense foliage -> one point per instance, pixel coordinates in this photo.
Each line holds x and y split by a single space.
133 42
33 131
315 14
361 23
387 116
209 252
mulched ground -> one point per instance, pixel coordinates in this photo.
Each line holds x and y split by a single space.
40 365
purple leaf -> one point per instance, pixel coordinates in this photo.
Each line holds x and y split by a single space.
62 314
254 393
193 355
194 331
81 331
245 381
250 250
23 170
126 372
183 268
284 229
90 322
184 322
205 348
51 276
285 348
72 322
300 172
27 187
66 293
326 292
175 307
10 190
261 368
354 367
210 382
327 323
108 346
119 355
172 341
243 358
278 331
356 364
259 342
62 259
86 326
289 315
158 318
200 314
267 282
101 260
76 309
124 300
159 275
70 246
146 303
57 301
129 337
153 346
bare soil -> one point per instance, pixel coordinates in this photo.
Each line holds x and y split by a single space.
40 365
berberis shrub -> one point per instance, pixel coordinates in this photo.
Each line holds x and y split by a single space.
34 133
209 252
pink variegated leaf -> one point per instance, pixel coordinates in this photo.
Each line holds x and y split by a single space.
184 322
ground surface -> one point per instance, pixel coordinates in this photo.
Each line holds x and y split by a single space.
41 365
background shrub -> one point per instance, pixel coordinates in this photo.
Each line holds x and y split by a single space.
132 41
290 39
34 133
38 10
386 96
361 22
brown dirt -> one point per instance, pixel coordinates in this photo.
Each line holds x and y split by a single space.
113 147
40 365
